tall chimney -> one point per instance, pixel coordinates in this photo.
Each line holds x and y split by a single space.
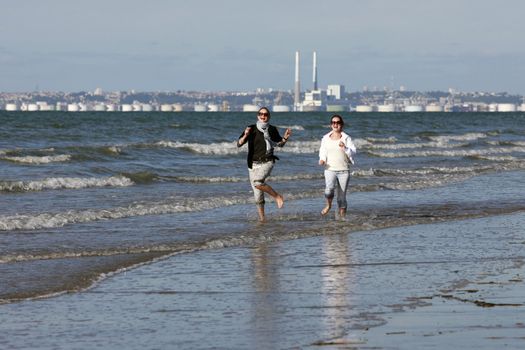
297 97
315 71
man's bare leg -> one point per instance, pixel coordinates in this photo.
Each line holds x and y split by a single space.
268 189
260 211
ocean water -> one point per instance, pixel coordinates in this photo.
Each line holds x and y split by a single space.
87 195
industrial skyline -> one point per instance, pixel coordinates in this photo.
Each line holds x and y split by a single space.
169 46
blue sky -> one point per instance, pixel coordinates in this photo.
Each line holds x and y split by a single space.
167 45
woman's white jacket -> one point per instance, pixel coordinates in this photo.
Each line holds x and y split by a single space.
349 146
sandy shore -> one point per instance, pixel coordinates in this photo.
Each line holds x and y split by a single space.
444 286
488 314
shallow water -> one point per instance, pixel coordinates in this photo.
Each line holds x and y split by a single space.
84 195
295 293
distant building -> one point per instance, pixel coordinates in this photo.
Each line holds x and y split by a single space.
314 100
335 91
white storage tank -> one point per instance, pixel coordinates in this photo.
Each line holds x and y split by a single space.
413 108
177 107
213 108
11 107
433 108
166 108
111 107
32 107
61 106
250 108
281 108
493 107
137 107
99 107
73 107
336 108
364 108
147 107
386 108
47 108
506 107
522 107
200 108
126 108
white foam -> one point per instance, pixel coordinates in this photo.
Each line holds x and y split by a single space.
39 160
498 158
391 139
222 179
221 148
414 145
465 137
54 220
507 143
114 149
425 171
55 183
227 148
452 153
293 127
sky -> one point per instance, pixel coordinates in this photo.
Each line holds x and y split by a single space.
241 45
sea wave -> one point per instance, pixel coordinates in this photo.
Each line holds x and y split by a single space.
507 143
181 205
39 159
54 220
300 147
391 139
55 183
414 145
304 225
293 127
220 148
471 136
225 179
451 153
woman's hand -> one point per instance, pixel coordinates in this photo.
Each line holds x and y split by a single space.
287 133
321 162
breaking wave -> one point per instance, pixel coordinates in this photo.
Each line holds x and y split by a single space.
63 183
39 159
465 137
293 127
221 148
452 153
54 220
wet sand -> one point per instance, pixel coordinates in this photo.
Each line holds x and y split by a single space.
488 314
449 285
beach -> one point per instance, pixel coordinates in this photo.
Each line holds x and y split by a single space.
338 291
140 231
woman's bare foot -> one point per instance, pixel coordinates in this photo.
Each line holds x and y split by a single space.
325 210
280 201
342 212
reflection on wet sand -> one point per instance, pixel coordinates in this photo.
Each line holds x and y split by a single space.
266 285
336 283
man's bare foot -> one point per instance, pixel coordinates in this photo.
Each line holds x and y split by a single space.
280 201
325 210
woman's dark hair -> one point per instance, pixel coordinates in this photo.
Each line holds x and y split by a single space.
340 118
